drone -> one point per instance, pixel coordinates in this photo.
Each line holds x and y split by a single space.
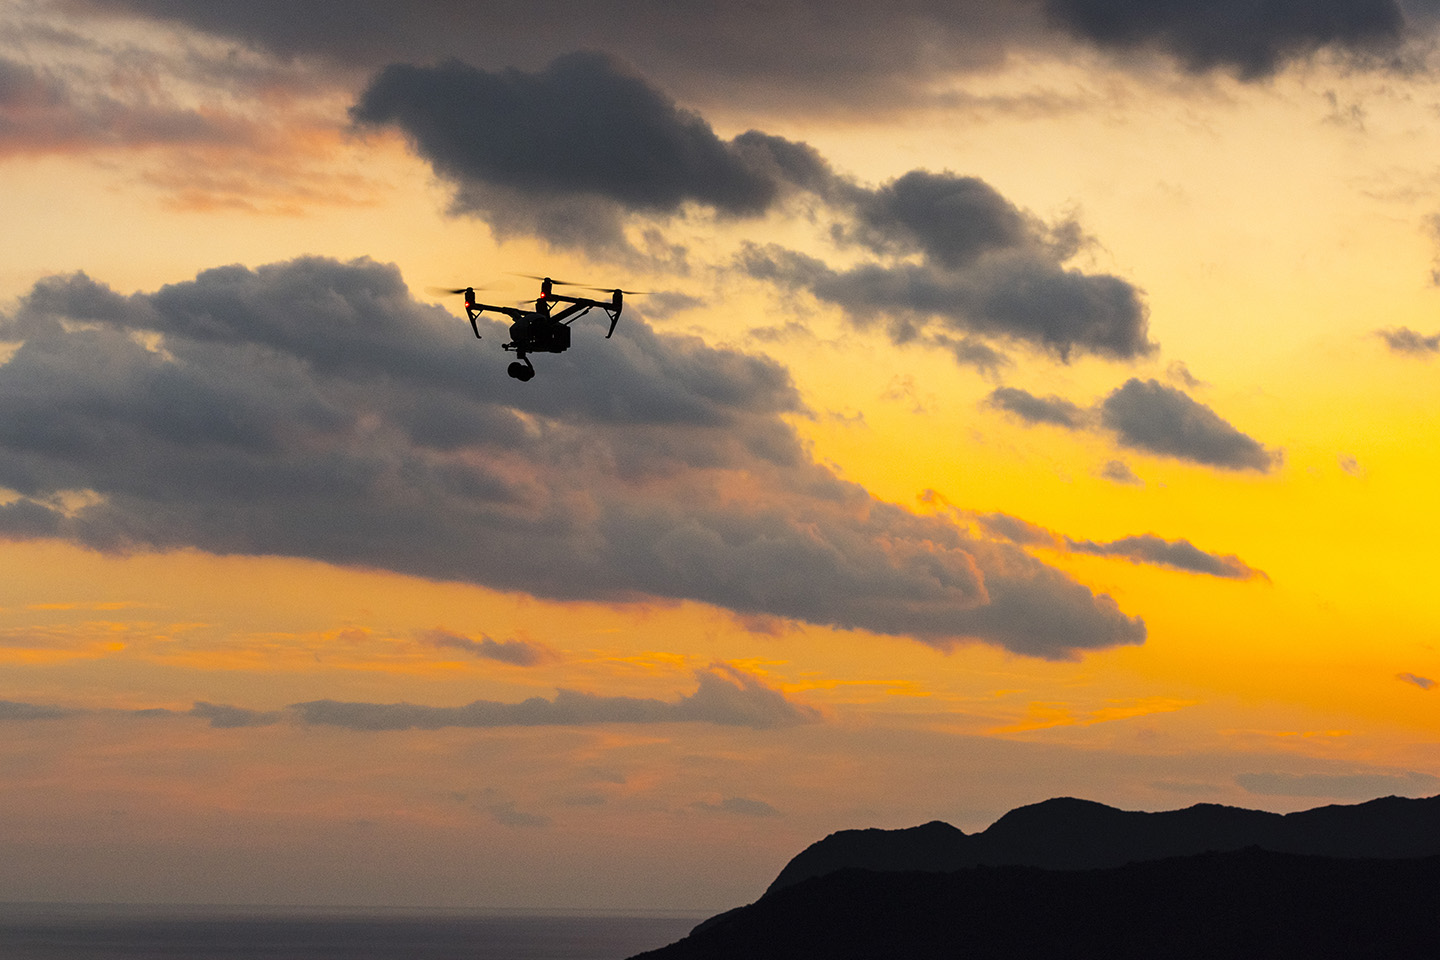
544 329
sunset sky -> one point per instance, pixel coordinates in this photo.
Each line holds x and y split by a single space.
1029 398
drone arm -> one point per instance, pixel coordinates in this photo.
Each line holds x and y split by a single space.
472 312
614 319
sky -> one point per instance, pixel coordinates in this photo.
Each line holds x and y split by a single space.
1027 398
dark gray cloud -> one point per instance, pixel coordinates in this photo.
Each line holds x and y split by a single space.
11 710
1032 409
1175 554
1118 471
1424 683
842 55
845 55
959 260
1252 38
1023 294
1150 416
1406 341
1145 548
569 153
726 696
520 653
313 409
1147 415
952 220
1358 786
1017 530
984 267
585 128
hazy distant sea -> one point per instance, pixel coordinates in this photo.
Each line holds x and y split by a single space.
125 932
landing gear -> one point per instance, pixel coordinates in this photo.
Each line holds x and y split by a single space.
521 371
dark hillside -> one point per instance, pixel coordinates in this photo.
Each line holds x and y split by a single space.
1241 905
1070 834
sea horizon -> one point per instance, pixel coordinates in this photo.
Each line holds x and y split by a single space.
83 930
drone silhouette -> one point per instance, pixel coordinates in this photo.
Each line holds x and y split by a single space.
543 329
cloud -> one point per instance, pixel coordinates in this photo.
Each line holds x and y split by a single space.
520 653
313 409
1405 341
1032 409
1175 554
1150 416
586 138
11 710
1361 786
41 112
1147 415
1118 471
507 814
857 55
229 718
985 269
742 806
1424 683
571 152
1147 548
1017 530
1252 38
726 696
783 51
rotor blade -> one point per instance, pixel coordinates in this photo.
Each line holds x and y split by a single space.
456 290
558 283
612 290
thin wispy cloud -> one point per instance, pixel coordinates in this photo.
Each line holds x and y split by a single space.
520 653
726 696
1148 548
1407 342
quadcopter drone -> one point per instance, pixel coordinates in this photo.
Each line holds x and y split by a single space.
543 329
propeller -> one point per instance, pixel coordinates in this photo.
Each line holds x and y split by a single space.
458 290
553 281
582 286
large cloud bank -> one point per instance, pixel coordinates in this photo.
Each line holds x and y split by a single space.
313 409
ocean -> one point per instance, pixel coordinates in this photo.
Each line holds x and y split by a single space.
126 932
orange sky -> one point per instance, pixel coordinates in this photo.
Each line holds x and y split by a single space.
1020 413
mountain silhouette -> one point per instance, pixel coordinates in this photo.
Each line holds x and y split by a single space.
1072 878
1250 904
1070 834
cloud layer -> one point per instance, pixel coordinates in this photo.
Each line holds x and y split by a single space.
569 152
854 50
726 696
1149 416
313 409
1252 38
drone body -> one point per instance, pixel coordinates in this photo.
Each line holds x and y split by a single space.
545 329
